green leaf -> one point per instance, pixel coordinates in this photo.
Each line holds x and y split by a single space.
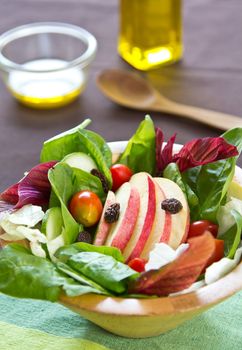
24 275
102 269
64 253
139 154
212 185
94 151
62 183
79 140
232 237
60 145
94 287
210 182
101 144
190 177
234 137
65 182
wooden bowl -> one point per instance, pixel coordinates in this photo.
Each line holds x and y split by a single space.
140 318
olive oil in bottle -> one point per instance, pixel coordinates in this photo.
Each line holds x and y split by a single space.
150 32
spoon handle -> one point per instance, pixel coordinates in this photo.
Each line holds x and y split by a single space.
216 119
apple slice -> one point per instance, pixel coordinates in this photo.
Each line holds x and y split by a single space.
180 221
121 231
146 187
103 226
162 225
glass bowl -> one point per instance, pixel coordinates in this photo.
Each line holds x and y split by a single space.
45 65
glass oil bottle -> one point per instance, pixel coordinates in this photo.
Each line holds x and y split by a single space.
150 32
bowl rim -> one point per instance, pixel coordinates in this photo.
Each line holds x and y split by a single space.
202 298
48 27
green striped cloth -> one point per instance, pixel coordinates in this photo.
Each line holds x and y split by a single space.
38 325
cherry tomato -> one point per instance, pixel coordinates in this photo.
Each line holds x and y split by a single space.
197 228
218 253
120 174
137 264
86 208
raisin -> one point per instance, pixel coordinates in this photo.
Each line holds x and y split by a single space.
84 236
102 178
172 205
112 213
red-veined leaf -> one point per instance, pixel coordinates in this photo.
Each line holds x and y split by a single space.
203 151
34 188
10 195
167 152
159 139
163 154
179 274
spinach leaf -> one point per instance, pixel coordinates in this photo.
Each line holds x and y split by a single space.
65 182
71 180
102 269
96 288
234 137
60 145
93 150
139 154
101 144
212 185
210 182
62 183
172 172
79 140
24 275
190 177
232 237
64 253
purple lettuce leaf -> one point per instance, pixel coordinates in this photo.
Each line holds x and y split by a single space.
159 139
203 151
196 152
34 188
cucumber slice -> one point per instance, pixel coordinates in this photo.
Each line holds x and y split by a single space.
55 244
52 223
81 161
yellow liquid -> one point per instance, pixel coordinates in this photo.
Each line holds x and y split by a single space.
150 32
46 90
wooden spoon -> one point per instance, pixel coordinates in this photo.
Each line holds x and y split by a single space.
131 90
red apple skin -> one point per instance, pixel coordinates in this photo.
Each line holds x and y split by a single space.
179 222
184 238
148 220
104 227
122 230
165 234
162 224
146 187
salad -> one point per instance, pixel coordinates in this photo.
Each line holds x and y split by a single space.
151 223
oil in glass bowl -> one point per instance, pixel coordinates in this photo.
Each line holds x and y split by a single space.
46 90
45 65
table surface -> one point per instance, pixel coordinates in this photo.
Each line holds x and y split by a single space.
209 76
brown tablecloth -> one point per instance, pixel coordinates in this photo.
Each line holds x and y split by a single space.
209 76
